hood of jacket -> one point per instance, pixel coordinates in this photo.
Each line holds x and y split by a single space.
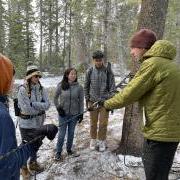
161 48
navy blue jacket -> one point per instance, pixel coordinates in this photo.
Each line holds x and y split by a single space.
11 164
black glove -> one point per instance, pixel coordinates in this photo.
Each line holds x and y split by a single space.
34 143
61 111
48 130
80 118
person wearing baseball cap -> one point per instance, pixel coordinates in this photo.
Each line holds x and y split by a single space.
156 86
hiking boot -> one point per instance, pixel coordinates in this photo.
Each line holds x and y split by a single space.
58 157
93 144
34 166
72 153
25 173
102 146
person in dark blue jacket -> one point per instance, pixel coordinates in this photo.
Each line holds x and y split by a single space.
12 157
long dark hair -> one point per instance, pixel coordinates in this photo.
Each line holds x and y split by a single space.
64 82
29 86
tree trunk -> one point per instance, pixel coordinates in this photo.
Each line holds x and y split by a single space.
152 16
50 60
70 19
64 35
107 10
41 37
57 34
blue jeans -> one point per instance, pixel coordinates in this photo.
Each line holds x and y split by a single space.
70 126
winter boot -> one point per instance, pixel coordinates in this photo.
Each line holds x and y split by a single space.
58 157
102 146
34 166
25 173
93 144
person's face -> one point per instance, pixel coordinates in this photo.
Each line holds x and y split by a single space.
35 79
98 62
72 76
137 53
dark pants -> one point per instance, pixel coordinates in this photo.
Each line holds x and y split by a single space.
28 135
70 127
158 158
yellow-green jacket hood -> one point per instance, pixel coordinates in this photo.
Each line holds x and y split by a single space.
161 48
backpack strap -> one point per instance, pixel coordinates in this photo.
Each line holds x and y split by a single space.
108 72
89 75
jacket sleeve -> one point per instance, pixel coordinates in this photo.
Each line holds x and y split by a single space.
144 80
44 105
81 99
112 86
57 94
11 164
87 84
25 103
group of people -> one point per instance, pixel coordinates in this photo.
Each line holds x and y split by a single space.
156 86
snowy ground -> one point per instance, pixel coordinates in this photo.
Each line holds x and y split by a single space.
91 164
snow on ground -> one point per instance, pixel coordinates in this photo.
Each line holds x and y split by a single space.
90 164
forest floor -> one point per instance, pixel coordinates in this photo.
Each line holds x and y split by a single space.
91 165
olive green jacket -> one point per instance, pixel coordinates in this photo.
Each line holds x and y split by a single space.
156 86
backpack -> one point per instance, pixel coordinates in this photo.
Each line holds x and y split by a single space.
108 72
17 110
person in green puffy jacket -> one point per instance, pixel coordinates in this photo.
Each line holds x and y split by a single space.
156 86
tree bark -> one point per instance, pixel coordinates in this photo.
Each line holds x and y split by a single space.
153 16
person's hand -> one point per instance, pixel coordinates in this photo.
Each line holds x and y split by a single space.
101 103
48 130
61 111
80 118
89 108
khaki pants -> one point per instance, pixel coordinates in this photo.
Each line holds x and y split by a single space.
98 123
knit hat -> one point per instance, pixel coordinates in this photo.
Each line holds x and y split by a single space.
32 70
6 69
144 38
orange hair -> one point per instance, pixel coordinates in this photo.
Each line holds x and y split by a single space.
6 74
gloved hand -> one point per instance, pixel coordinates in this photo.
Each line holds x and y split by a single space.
80 118
36 143
48 130
61 111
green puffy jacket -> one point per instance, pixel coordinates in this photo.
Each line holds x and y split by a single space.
157 88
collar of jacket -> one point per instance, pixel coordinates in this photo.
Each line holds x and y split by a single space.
161 48
73 83
4 100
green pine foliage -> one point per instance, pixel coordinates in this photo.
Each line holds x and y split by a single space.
67 32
